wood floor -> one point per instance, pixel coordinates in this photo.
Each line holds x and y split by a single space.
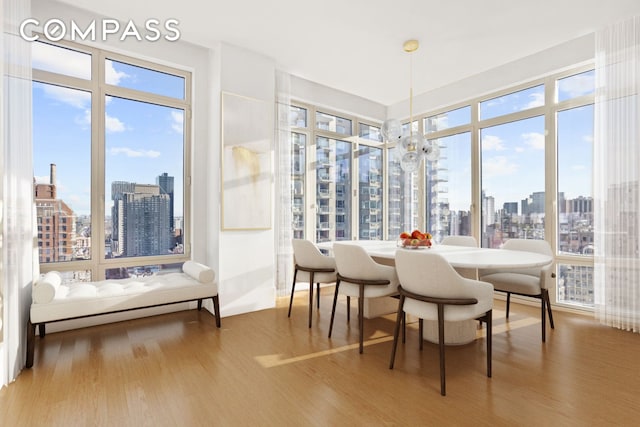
264 369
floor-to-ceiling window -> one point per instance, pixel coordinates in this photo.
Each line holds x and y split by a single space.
338 173
512 164
110 144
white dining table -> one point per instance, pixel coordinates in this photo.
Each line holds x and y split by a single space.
456 333
457 256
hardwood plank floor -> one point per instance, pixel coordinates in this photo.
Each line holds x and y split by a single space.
265 369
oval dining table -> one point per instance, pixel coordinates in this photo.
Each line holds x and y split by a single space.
456 333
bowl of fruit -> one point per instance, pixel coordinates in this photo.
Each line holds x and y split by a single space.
415 240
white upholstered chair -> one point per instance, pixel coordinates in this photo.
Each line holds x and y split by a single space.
460 241
531 282
313 267
469 241
431 289
360 276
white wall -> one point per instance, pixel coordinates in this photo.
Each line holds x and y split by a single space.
538 65
322 96
247 258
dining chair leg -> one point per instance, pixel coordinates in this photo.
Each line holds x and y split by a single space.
293 288
361 317
404 327
318 295
348 309
489 323
443 390
420 331
396 332
333 309
545 293
543 316
310 297
508 303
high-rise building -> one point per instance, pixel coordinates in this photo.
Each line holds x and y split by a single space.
140 216
534 204
165 182
510 208
56 223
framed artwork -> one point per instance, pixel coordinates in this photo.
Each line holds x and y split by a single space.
246 163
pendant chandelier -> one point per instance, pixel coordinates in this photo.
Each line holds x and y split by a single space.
411 147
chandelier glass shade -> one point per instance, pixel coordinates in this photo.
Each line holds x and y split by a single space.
411 147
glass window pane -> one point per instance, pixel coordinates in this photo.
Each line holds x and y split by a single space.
333 123
143 79
370 192
62 172
449 119
298 173
369 132
60 60
405 128
144 171
403 203
575 285
333 189
297 117
575 183
513 181
576 85
512 103
448 190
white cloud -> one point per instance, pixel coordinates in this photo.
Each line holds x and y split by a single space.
498 166
588 139
113 124
492 142
177 118
578 85
134 153
85 120
112 76
75 98
578 167
60 60
537 100
496 101
534 140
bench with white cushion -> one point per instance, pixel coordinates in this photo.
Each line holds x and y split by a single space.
55 302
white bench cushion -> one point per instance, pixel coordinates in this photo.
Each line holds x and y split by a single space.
83 299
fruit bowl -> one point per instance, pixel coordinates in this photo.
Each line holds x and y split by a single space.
414 240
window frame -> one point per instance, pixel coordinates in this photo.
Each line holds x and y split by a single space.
99 89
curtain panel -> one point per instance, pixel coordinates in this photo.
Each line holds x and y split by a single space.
284 249
18 264
616 176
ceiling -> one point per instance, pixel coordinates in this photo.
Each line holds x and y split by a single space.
356 45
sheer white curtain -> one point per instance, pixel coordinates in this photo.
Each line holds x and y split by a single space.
16 191
284 250
616 176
